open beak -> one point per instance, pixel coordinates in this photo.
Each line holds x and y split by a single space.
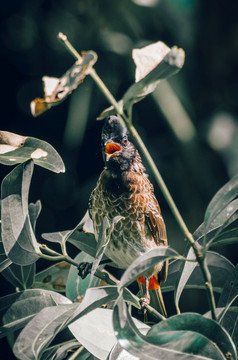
111 148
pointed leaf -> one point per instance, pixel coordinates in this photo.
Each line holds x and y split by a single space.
220 269
211 231
195 334
94 297
18 236
4 260
103 239
15 149
228 237
221 199
146 262
41 330
19 308
34 212
132 340
57 237
189 273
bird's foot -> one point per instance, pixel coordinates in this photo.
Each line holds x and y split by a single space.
84 269
144 302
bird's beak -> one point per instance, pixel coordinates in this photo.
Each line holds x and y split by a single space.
111 148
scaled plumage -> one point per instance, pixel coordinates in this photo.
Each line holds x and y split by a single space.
124 189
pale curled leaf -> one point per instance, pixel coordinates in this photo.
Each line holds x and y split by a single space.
168 64
10 142
148 57
56 90
15 149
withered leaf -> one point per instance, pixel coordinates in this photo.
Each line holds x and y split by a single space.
16 149
56 90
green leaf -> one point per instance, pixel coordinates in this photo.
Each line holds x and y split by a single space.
60 351
106 230
230 290
132 340
192 333
95 332
15 149
4 263
41 330
130 298
4 260
221 199
34 212
79 237
19 308
219 268
18 236
146 262
53 278
228 237
76 286
212 230
22 277
94 297
119 353
56 237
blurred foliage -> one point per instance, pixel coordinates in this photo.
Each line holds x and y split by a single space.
207 88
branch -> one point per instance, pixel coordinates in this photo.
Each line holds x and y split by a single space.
141 146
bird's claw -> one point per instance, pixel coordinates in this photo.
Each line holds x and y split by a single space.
84 269
144 302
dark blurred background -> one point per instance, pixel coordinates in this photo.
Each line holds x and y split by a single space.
189 125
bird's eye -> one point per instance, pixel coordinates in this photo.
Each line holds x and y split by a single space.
125 140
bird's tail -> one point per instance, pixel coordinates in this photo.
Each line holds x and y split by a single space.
155 294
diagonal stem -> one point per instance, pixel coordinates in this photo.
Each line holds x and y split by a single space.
140 144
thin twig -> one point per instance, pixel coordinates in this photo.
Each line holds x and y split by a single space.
76 353
140 144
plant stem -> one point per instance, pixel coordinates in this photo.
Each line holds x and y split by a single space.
140 144
76 353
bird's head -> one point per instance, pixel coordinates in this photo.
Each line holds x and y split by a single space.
118 152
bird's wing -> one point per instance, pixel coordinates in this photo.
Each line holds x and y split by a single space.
157 227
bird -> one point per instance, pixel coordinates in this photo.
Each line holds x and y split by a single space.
124 189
